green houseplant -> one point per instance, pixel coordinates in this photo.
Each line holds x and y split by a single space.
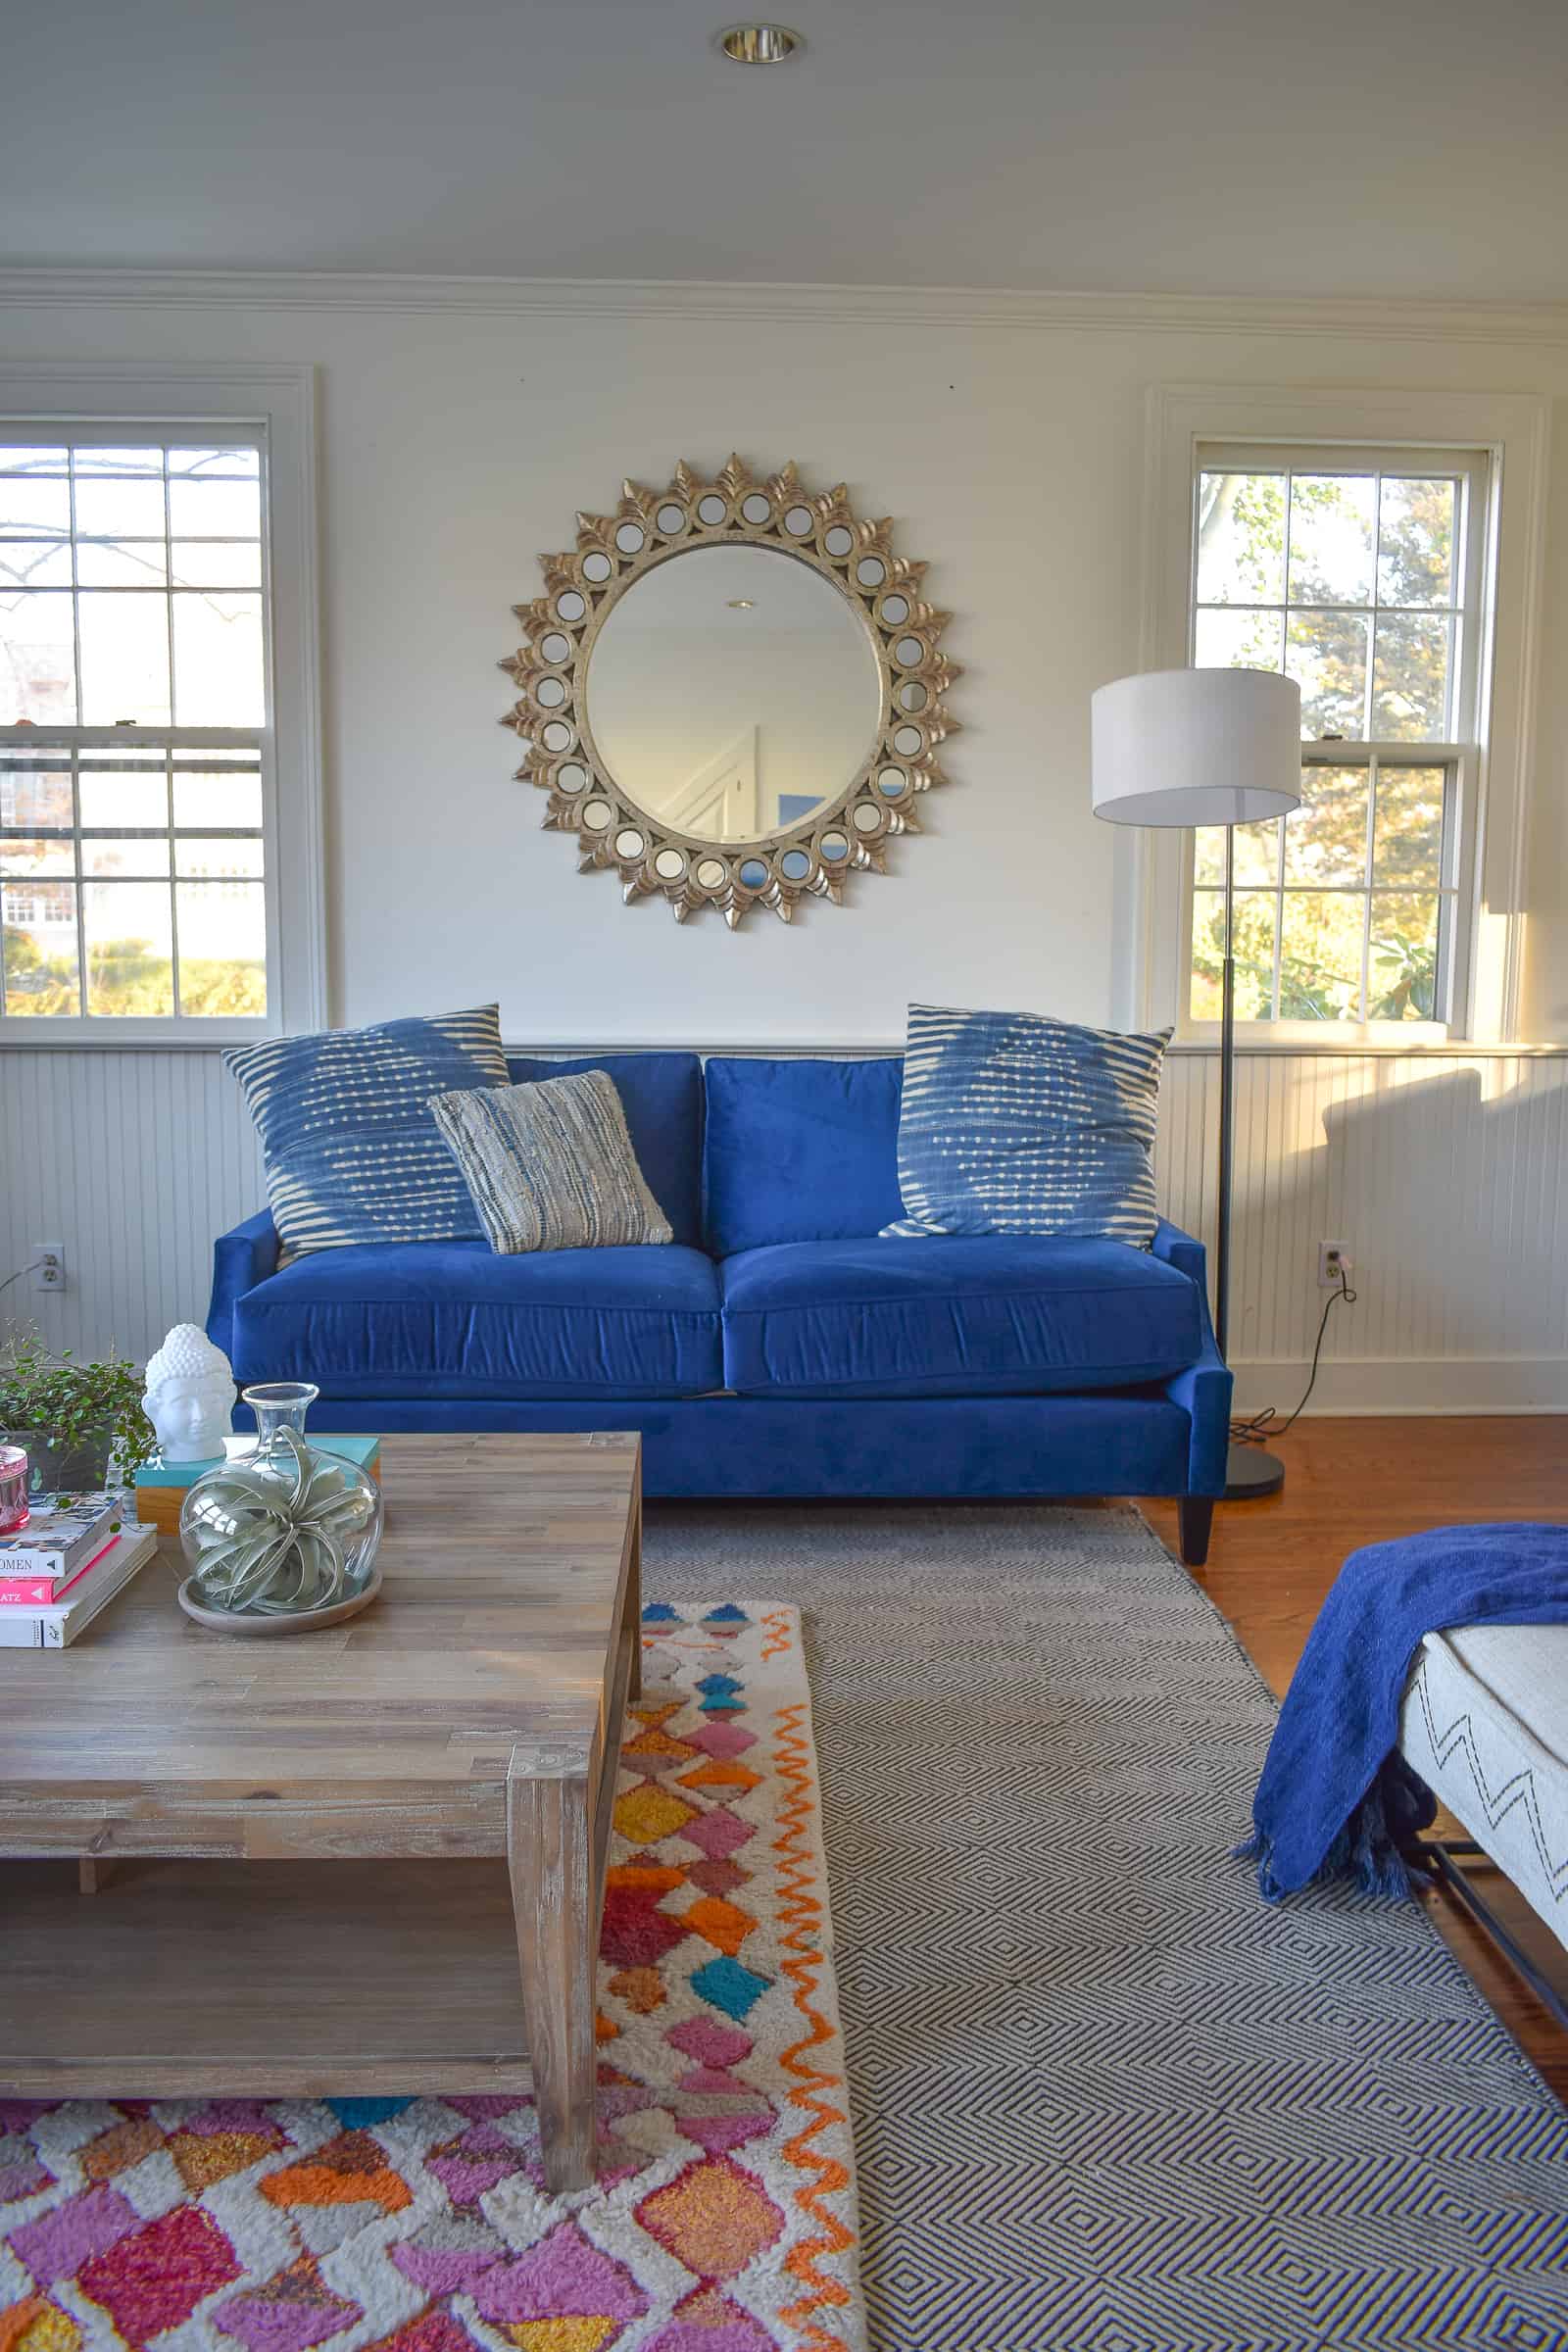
75 1420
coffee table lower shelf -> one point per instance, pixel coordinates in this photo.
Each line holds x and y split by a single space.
320 1979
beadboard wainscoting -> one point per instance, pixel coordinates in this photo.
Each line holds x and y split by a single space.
1442 1173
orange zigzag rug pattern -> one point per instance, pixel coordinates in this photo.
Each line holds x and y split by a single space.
724 2219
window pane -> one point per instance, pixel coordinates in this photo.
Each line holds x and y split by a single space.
232 797
126 859
218 564
22 857
37 660
1402 973
206 509
120 797
1320 956
129 929
217 860
1415 541
34 564
1333 532
1408 843
29 509
41 950
15 459
1257 856
196 461
35 797
122 562
118 510
1325 839
1238 640
217 660
144 459
1410 682
223 947
1240 538
124 659
1254 949
1327 657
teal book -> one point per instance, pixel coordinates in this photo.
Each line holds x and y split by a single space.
366 1452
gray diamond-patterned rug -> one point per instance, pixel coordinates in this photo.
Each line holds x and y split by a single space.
1105 2099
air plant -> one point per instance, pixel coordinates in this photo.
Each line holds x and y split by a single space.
275 1538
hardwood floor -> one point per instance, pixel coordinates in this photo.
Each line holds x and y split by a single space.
1350 1483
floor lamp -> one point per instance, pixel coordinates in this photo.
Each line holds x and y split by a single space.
1205 747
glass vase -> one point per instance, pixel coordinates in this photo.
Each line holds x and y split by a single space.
284 1529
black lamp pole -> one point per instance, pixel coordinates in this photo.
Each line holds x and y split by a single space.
1249 1471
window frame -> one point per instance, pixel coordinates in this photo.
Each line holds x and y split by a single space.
1510 432
1458 752
273 407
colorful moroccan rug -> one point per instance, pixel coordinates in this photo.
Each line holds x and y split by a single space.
724 2215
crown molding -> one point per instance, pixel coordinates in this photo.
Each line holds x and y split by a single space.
1528 323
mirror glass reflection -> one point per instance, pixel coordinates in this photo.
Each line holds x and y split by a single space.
732 692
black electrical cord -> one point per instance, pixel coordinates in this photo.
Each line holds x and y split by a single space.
21 1270
1259 1428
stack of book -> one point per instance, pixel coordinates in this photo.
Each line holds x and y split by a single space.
76 1553
162 1487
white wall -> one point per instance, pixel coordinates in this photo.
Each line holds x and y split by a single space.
461 430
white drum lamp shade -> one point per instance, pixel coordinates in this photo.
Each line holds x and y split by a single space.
1197 747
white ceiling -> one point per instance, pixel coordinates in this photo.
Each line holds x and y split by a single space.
1377 147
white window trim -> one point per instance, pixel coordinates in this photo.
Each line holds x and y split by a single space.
280 399
1513 429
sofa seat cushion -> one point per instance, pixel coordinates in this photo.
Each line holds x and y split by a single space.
454 1319
995 1314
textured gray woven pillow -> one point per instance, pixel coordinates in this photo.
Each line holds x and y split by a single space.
551 1166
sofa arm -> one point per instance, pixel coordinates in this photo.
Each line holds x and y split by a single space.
240 1260
1181 1250
1202 1389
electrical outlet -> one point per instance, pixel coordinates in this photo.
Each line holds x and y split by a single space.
1332 1262
49 1265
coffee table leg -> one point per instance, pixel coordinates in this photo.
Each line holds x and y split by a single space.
633 1619
550 1856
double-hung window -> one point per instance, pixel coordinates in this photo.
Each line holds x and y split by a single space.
1360 573
136 785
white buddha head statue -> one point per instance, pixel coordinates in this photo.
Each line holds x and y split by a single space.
189 1396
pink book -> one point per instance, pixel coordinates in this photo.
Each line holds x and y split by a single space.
44 1591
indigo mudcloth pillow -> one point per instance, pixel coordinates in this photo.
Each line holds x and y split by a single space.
551 1166
351 1150
1014 1123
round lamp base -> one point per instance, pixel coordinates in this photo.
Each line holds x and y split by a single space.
1249 1473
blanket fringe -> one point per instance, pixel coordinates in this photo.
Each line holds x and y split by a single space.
1370 1848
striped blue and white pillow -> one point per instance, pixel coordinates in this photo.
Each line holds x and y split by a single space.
351 1150
1014 1123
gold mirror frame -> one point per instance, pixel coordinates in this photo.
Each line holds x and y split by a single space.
851 829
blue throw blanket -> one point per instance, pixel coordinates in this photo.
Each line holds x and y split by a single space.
1337 1799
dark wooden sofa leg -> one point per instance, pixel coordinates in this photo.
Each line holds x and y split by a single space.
1194 1517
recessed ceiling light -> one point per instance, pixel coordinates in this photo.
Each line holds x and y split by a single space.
759 45
741 604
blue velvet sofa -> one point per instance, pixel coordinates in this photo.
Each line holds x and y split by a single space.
778 1347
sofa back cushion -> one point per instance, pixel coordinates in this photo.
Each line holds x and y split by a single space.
662 1095
800 1150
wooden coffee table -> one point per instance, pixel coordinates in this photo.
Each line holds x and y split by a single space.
305 1832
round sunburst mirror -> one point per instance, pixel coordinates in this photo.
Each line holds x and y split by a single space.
732 692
